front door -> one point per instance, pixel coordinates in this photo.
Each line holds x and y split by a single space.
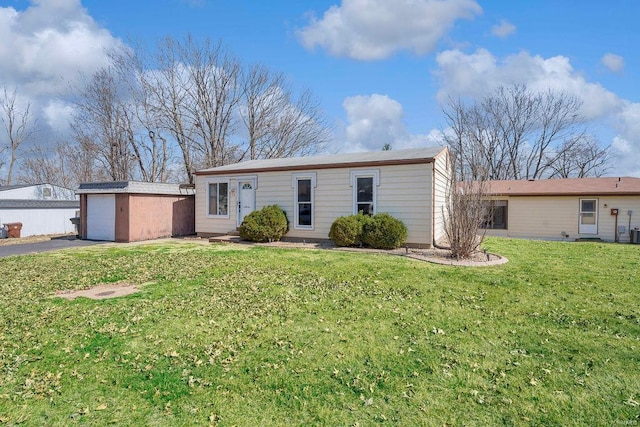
246 199
588 216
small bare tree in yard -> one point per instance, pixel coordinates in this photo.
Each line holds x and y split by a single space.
466 210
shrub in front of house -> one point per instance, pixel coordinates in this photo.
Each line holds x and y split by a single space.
347 230
268 224
383 231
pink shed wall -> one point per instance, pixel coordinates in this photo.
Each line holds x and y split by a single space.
152 216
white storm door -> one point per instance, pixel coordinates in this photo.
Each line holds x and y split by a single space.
246 199
588 216
101 217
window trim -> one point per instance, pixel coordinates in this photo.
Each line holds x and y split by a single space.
353 181
312 176
208 202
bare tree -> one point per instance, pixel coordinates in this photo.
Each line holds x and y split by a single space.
580 158
262 94
149 146
465 210
19 125
101 125
190 97
193 92
276 123
514 133
49 164
298 129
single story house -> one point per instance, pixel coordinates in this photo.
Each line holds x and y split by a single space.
42 209
129 211
314 191
565 209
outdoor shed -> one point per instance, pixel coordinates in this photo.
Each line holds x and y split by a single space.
314 191
41 209
129 211
565 209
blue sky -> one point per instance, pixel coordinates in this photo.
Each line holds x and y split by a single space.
381 68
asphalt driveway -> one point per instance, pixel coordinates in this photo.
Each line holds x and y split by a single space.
46 246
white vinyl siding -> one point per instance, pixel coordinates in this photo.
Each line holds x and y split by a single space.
404 192
546 217
441 183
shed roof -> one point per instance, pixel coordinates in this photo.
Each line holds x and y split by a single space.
566 186
134 187
372 158
38 204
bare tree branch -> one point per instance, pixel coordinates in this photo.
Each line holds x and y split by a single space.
19 125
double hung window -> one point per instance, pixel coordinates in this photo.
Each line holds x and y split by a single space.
218 199
365 183
303 188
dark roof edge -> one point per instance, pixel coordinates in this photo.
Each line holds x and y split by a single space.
413 161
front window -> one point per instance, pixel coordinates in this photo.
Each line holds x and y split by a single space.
364 195
219 199
496 215
303 189
365 183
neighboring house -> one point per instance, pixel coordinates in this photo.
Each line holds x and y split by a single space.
129 211
314 191
565 209
36 192
41 208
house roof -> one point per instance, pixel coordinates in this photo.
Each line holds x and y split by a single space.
372 158
13 187
566 187
38 204
134 187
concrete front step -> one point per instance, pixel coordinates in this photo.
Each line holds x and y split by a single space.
232 238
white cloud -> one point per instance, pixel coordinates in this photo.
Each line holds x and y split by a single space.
613 62
45 48
58 115
478 73
375 29
473 75
504 29
375 120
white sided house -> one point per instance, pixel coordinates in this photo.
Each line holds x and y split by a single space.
41 208
314 191
566 209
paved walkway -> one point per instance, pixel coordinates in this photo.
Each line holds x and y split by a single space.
46 246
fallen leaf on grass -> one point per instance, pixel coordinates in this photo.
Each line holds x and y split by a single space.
101 407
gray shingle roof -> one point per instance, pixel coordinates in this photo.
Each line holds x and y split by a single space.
415 155
134 187
38 204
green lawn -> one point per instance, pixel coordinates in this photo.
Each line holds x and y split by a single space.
238 335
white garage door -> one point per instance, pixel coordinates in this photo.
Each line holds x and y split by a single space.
101 217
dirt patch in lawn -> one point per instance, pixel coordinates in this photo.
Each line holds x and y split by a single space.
102 291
